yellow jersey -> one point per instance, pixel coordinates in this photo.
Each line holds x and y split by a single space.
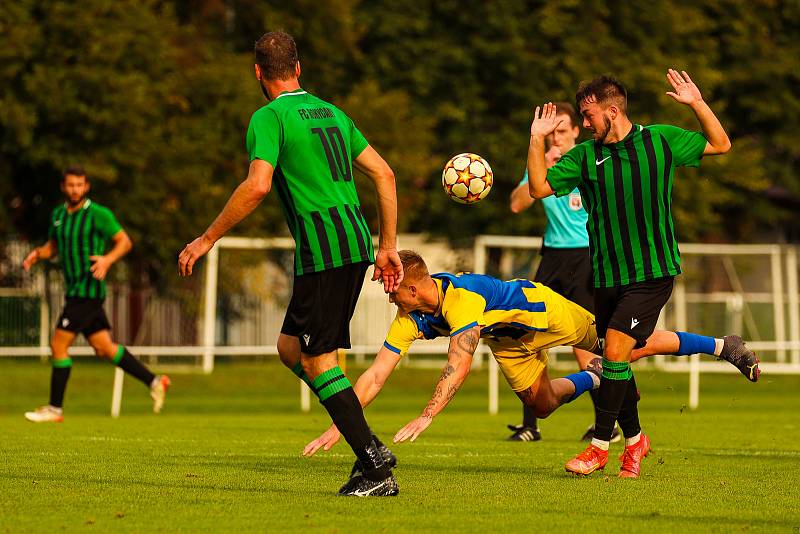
506 311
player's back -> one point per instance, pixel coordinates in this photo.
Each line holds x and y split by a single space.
311 144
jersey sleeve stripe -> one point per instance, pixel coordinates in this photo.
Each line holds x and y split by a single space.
391 347
466 327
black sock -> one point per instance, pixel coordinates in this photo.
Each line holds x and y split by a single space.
125 361
528 417
629 413
58 382
611 394
595 395
348 416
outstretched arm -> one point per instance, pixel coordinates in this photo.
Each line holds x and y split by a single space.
459 361
243 201
686 92
44 252
543 124
367 387
387 262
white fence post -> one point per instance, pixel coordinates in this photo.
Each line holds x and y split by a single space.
116 394
44 313
777 302
210 309
794 305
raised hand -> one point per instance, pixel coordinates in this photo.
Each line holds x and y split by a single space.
545 123
684 89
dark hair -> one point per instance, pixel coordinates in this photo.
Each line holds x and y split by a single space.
74 170
276 56
604 89
565 108
414 266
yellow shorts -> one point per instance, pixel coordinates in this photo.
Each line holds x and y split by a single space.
523 360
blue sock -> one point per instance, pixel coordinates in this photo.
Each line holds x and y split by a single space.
695 344
583 383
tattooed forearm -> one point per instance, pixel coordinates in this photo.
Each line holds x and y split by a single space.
459 361
448 370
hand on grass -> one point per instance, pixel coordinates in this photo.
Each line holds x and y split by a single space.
328 439
413 429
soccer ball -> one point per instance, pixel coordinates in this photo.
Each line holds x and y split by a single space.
467 178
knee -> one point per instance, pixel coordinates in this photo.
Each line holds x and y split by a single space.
57 349
105 351
287 353
616 354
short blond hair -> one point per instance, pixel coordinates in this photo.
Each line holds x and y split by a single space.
414 267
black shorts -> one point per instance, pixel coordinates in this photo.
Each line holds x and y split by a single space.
568 272
632 309
321 308
83 316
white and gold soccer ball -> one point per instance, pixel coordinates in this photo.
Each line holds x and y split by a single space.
467 178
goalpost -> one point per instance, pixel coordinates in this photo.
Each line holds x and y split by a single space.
769 315
755 292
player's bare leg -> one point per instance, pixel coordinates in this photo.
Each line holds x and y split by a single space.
730 348
546 395
62 366
290 355
105 347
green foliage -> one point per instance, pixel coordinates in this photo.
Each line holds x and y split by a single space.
154 97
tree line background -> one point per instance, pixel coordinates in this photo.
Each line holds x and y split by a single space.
153 99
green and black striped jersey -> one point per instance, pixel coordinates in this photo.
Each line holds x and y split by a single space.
78 235
311 144
627 191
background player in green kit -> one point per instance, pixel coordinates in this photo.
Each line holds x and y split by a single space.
565 265
625 176
306 148
80 232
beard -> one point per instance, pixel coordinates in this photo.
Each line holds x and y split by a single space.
72 203
600 135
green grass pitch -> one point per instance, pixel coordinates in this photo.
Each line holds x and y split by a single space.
225 456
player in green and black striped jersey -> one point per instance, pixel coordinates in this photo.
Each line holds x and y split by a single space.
306 148
625 176
79 234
